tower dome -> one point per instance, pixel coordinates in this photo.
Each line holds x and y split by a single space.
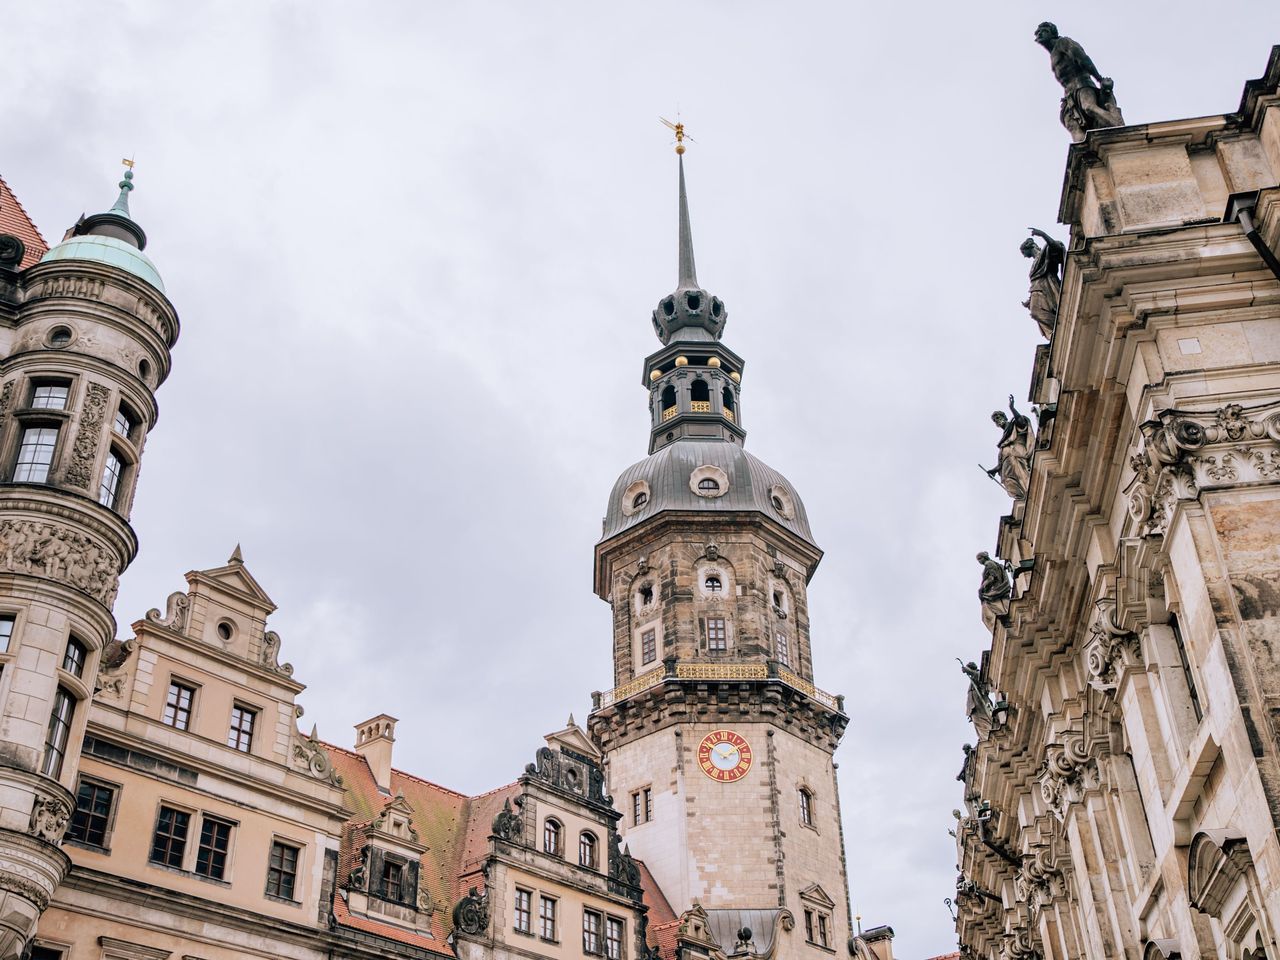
113 238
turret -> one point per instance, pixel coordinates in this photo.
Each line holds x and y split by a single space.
85 336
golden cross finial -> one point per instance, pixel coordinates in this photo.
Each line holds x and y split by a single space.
128 163
678 127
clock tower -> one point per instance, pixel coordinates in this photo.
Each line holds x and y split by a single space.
718 745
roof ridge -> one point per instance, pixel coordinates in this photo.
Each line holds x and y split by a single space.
489 793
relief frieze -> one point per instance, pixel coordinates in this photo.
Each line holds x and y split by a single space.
56 553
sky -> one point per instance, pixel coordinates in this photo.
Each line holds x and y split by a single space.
414 247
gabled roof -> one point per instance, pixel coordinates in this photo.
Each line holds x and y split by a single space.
815 893
14 220
235 579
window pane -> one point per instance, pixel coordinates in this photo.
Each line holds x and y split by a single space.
524 911
55 744
177 707
93 813
240 736
6 631
648 804
547 914
110 485
783 649
35 455
282 870
717 636
49 396
649 647
587 851
170 840
211 855
73 659
613 939
551 838
392 880
590 931
122 424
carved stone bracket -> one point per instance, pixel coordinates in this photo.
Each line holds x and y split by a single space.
57 553
310 756
509 825
49 818
1040 881
177 610
1070 771
271 655
471 914
1111 648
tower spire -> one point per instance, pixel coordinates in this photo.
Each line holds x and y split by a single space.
122 202
688 272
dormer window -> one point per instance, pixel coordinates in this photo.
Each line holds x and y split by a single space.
639 500
392 880
49 395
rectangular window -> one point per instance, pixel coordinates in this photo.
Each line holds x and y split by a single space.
211 855
35 455
49 396
92 819
47 953
648 647
635 809
1192 692
717 637
177 706
547 917
7 621
282 870
524 911
648 804
393 880
240 736
822 930
73 658
591 932
123 424
55 741
169 843
613 938
110 485
806 807
783 649
808 925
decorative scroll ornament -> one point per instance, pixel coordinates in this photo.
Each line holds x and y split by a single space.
1111 648
1020 943
471 914
271 655
508 825
111 668
1039 881
177 610
570 772
56 553
314 759
89 437
49 818
1069 773
624 874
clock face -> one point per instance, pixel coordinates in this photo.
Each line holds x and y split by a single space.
724 756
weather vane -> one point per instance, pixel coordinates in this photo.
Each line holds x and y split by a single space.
681 137
128 163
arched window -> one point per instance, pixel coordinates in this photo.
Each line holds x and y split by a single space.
806 807
709 484
713 584
587 850
727 402
553 838
700 397
668 402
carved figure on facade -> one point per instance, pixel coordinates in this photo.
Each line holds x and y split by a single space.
1045 278
508 825
966 768
111 672
356 878
1013 452
84 452
177 610
994 590
471 913
271 655
49 818
1088 98
1110 648
312 757
570 772
59 554
978 700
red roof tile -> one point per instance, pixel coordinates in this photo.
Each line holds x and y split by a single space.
14 220
345 918
663 937
659 907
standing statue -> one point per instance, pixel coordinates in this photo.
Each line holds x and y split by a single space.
978 701
1046 279
963 775
994 591
1013 452
1085 105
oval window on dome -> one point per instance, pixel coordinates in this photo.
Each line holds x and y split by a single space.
709 481
635 498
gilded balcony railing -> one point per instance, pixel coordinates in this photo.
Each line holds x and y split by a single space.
668 413
728 415
700 406
718 671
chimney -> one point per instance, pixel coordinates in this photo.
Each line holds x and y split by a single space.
880 941
374 739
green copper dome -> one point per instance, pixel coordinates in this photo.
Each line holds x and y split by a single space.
108 250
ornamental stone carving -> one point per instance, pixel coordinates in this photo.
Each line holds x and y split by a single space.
1111 648
471 914
177 610
994 591
1069 772
1088 98
1039 881
89 437
56 553
1013 452
310 756
508 825
271 655
49 818
571 773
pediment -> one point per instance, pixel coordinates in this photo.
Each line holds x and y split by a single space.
815 894
575 739
233 578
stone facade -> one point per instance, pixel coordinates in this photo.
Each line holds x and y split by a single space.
1124 794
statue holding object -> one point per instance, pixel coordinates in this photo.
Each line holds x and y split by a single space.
1086 104
1013 452
1046 280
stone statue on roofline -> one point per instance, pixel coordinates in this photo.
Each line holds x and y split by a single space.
1046 280
978 702
995 589
1013 452
1086 104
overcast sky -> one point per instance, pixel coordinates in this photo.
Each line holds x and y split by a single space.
414 248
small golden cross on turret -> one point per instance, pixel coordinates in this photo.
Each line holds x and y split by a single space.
678 127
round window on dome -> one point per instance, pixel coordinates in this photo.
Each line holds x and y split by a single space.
709 481
781 501
635 498
709 485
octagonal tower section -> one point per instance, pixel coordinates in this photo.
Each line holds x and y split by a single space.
85 337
